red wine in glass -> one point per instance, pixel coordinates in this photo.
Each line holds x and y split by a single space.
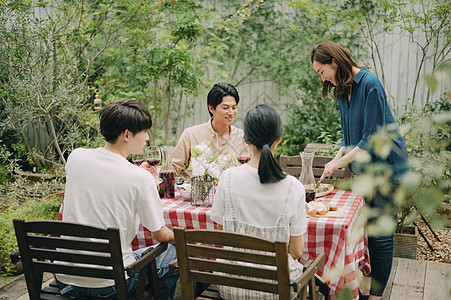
138 162
243 159
309 195
153 161
167 188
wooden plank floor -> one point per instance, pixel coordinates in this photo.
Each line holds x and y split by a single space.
418 280
16 288
409 279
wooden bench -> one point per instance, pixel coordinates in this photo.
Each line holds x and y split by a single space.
293 165
315 147
199 249
47 246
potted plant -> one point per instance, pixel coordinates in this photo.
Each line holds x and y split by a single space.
405 239
446 213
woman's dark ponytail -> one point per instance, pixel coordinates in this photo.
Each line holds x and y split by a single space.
262 127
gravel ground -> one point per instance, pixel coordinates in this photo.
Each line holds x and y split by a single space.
442 248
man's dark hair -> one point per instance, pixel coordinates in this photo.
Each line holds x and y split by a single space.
219 91
118 116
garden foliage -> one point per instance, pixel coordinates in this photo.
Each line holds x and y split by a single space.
56 54
33 209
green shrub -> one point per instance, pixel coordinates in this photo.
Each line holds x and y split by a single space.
45 209
4 174
315 120
427 132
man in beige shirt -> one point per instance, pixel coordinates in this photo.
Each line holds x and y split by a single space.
223 137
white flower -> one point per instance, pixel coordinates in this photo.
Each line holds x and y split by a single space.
199 165
215 170
206 164
206 151
224 161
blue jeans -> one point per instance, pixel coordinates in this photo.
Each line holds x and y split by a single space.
109 292
381 257
381 247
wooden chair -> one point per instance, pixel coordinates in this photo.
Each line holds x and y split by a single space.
198 249
315 147
293 165
44 245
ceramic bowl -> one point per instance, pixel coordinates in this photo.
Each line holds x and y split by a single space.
184 190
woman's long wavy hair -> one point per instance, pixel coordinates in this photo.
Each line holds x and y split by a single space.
262 127
327 51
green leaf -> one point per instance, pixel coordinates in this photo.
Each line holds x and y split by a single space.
345 294
195 152
431 81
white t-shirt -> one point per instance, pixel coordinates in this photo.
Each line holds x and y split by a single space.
260 204
104 189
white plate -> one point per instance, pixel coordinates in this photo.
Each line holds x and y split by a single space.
324 189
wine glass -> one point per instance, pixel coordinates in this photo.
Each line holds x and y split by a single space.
153 155
138 159
244 155
153 158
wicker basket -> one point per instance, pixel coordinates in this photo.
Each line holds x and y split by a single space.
405 242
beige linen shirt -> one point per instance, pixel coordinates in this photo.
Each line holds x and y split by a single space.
198 134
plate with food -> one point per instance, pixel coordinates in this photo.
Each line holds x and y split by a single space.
319 209
323 189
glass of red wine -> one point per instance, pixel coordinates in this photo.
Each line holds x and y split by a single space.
153 158
244 156
138 159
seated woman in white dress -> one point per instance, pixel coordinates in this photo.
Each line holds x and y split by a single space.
258 198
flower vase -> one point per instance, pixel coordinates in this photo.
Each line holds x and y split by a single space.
202 192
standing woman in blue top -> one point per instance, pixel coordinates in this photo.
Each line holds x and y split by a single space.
363 111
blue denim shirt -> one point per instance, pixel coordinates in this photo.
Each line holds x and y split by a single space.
366 113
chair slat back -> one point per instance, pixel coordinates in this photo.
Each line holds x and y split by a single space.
205 256
201 250
47 246
315 147
293 165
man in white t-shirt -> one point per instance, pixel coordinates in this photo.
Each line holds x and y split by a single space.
104 189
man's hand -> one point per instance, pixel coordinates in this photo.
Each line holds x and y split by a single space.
151 169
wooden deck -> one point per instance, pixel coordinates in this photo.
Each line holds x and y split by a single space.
410 279
418 280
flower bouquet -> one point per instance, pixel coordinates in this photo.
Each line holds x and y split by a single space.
206 167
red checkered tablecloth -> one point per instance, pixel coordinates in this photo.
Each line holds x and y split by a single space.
176 212
343 240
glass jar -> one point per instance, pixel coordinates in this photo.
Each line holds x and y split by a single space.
202 192
307 178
